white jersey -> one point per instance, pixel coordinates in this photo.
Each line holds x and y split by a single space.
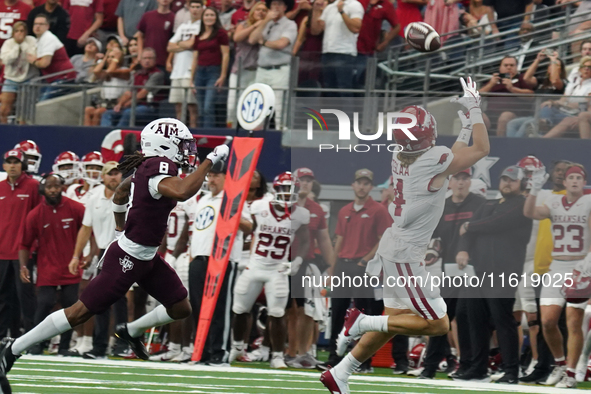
77 193
570 231
176 223
416 210
275 232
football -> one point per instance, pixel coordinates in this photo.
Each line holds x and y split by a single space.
422 37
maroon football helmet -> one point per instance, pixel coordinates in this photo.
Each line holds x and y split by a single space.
425 131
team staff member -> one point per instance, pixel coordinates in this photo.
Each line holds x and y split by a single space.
495 241
360 226
459 208
301 325
218 343
54 224
19 194
100 221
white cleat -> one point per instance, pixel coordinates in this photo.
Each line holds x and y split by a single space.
261 354
567 382
334 384
236 354
555 376
277 362
184 356
168 356
350 330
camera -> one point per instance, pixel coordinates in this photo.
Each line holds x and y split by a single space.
548 52
505 75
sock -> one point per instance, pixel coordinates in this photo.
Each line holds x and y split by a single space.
345 368
373 323
53 325
238 345
571 372
87 341
277 354
174 347
560 361
157 317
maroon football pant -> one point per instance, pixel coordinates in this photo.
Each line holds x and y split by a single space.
120 271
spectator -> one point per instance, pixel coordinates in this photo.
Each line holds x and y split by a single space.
505 9
526 37
83 64
114 41
242 13
360 226
225 14
368 42
86 19
341 23
54 241
210 64
11 11
245 57
59 19
51 59
217 4
177 5
459 208
147 76
17 70
180 60
443 16
409 11
183 15
276 36
574 68
553 83
129 13
504 109
540 11
106 73
133 53
301 9
154 31
497 222
15 207
563 115
309 47
476 18
109 25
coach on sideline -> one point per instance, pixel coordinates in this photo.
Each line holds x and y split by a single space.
53 224
19 194
100 221
495 240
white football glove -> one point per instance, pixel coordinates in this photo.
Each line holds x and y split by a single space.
471 98
290 269
537 181
220 152
466 131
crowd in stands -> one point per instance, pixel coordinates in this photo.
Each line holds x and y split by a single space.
201 48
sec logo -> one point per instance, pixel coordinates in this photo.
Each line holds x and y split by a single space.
204 218
252 107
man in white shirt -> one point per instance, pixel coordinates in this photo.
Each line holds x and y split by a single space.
341 22
180 58
207 209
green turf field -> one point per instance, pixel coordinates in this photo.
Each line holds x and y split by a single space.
57 375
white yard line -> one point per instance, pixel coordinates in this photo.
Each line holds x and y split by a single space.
400 382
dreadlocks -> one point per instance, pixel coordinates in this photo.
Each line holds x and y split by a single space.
406 159
131 162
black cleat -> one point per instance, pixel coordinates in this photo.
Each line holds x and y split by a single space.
4 385
7 359
136 344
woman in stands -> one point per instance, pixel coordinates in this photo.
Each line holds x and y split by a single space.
563 115
245 60
309 48
554 82
17 69
210 65
109 73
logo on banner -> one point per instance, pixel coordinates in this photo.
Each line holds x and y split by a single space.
345 134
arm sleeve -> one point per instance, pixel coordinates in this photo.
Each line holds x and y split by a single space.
340 230
356 10
322 220
291 32
87 218
223 37
507 219
30 230
98 6
80 212
119 11
153 185
323 15
391 14
141 26
48 46
467 239
177 35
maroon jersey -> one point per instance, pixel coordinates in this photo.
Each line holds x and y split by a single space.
9 14
147 217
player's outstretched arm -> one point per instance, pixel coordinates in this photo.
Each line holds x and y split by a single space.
466 156
535 184
183 189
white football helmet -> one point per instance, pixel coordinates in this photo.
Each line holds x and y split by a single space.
32 153
92 176
170 138
67 164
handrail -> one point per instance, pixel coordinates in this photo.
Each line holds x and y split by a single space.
43 77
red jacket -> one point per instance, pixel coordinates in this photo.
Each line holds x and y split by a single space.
16 201
56 229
